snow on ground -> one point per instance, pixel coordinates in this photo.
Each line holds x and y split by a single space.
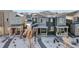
18 43
2 43
36 44
74 40
48 42
22 43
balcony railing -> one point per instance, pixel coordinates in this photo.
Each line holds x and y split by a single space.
50 23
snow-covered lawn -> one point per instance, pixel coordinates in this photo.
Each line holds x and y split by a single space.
36 44
17 43
2 38
74 40
48 42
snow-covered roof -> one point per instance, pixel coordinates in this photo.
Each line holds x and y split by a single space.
62 26
20 15
48 14
41 26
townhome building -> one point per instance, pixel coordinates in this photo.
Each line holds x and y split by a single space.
16 22
74 23
28 19
50 23
75 26
4 21
39 24
61 27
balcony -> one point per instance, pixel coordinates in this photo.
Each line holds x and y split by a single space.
50 23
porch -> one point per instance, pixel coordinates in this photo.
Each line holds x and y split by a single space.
40 30
61 30
16 29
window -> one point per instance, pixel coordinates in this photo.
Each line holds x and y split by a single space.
65 29
78 30
34 19
61 21
7 19
77 18
17 16
43 30
41 20
51 29
51 20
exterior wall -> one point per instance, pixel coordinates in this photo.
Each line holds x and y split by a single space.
4 15
75 19
1 18
43 21
75 24
12 18
7 18
77 29
76 14
70 17
50 23
1 30
16 21
29 17
1 23
61 28
61 21
72 29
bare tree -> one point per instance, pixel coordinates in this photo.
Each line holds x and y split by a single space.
29 35
66 41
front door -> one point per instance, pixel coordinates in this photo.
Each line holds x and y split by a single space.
43 31
18 31
13 30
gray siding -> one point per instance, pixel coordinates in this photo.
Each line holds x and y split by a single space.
60 21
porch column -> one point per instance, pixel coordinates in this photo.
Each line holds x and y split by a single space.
67 31
46 31
40 31
56 30
15 31
20 31
37 31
